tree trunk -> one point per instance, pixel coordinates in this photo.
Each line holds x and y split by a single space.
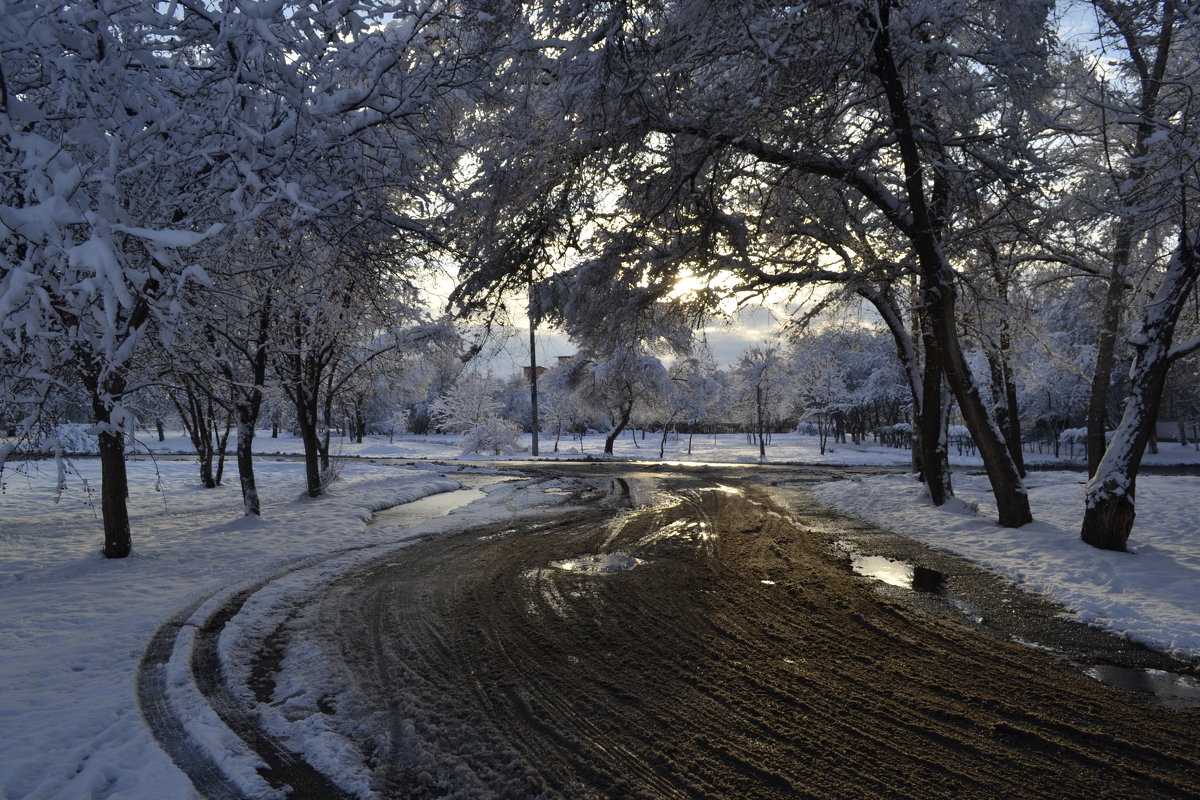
306 421
623 420
222 443
533 383
1110 494
114 481
327 416
1106 343
1013 432
245 464
938 299
312 456
196 423
758 407
931 423
662 446
246 409
1012 502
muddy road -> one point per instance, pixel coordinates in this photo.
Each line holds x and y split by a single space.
697 635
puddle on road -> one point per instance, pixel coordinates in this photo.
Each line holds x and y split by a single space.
425 509
897 573
599 563
1166 688
692 531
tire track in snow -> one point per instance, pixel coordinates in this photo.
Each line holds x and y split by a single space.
282 769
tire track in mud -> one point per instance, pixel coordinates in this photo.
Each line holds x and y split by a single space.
737 658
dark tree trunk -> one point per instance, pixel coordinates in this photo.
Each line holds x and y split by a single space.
245 464
759 411
1012 502
222 443
1107 524
622 420
930 429
1004 398
306 422
1013 432
327 417
114 492
907 349
247 409
938 299
533 383
312 454
1106 343
197 424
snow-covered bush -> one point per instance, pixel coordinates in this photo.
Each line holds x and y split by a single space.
79 439
471 408
493 435
70 439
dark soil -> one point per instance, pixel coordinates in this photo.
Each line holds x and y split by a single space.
737 657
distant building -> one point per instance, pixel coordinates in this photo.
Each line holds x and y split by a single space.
528 371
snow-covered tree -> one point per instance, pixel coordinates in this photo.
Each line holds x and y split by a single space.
103 154
1134 115
763 391
1149 121
619 384
695 396
472 408
704 113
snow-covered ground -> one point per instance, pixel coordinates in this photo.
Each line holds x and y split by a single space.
74 625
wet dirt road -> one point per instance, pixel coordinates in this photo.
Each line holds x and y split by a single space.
707 643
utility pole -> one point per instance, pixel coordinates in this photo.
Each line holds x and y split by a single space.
533 373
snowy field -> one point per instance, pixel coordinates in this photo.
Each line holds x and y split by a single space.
74 625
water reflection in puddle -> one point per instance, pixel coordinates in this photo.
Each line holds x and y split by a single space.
693 531
1167 688
599 563
425 509
897 573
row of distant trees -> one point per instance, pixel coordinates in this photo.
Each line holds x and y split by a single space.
838 382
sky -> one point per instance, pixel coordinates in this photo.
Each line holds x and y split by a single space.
753 326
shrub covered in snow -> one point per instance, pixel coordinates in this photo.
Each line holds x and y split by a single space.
69 439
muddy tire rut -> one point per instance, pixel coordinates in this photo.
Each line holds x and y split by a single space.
710 647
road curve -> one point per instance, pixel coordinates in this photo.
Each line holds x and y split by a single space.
707 645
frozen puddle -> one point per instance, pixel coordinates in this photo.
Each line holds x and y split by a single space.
599 563
1167 688
897 573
